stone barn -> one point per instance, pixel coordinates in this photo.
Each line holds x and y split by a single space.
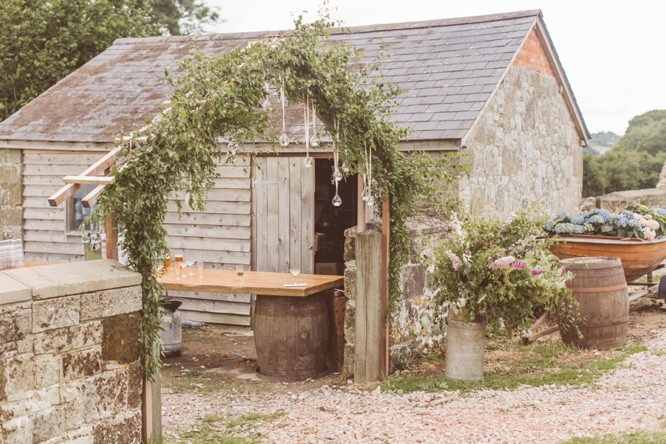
492 86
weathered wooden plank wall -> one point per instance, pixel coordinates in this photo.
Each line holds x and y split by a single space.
45 238
283 211
221 237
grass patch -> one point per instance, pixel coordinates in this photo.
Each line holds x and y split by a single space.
193 381
623 438
536 365
249 420
237 431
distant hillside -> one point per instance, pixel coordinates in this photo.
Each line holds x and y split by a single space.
601 142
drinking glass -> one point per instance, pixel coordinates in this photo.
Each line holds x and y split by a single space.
240 272
295 272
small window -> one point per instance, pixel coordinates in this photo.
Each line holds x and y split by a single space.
77 213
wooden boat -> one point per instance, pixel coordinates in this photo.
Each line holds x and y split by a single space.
639 257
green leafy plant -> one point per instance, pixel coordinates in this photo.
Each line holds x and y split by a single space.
502 272
218 98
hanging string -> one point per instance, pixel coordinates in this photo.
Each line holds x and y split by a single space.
314 141
307 161
284 139
337 175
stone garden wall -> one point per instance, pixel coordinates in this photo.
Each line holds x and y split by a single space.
11 210
415 323
69 354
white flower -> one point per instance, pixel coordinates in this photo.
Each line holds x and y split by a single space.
455 260
502 262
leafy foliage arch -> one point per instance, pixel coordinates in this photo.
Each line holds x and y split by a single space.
218 98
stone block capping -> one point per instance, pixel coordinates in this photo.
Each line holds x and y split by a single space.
63 377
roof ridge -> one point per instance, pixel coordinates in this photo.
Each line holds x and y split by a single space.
341 30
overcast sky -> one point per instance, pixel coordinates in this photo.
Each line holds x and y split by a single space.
612 51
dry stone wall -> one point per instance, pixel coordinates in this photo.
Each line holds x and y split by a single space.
11 190
416 322
69 354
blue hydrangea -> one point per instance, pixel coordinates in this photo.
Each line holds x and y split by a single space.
589 228
596 219
622 221
578 218
564 227
635 224
606 228
605 214
660 211
578 229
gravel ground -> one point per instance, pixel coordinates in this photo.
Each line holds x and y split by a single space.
630 398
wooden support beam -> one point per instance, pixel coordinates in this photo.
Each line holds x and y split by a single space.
95 180
111 230
63 193
368 320
151 409
89 200
104 163
384 282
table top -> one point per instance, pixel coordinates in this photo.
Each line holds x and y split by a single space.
253 282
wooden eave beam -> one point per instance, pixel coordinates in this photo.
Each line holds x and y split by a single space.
104 163
95 180
89 200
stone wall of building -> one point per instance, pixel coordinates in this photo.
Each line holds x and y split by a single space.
417 319
524 149
70 354
11 190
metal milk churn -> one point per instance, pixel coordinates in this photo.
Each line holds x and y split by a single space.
92 246
171 323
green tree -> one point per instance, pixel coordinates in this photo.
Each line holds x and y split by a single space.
619 170
646 132
41 42
177 17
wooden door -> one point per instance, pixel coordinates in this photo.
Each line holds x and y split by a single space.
283 214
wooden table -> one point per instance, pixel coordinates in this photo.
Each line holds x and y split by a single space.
291 323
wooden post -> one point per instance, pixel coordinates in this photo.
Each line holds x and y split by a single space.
384 280
369 320
111 230
151 427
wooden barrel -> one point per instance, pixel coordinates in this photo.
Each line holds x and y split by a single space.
600 288
291 335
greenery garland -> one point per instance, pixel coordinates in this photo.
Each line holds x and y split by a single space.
218 98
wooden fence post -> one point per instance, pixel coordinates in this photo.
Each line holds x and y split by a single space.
151 427
369 317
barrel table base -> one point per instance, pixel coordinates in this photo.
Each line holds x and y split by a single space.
291 336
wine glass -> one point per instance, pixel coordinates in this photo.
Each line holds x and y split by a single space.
189 265
295 272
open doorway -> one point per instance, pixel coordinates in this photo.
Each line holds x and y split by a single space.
331 221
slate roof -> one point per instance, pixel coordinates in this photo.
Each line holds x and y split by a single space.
449 68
